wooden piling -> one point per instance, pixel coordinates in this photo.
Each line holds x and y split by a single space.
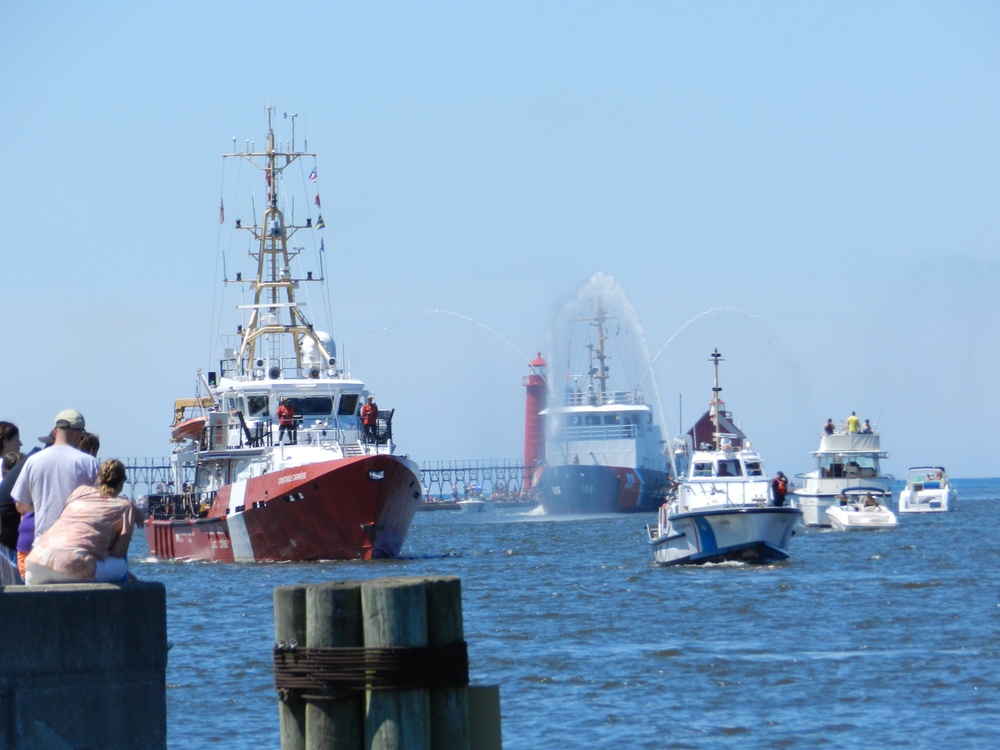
333 619
374 665
394 613
290 627
449 709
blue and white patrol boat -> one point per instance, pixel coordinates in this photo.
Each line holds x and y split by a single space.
723 510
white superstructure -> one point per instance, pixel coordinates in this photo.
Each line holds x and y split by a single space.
844 460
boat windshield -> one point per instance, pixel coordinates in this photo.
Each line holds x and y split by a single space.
931 478
754 469
729 467
701 469
348 404
312 406
850 467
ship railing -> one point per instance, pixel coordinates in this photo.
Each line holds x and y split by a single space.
275 368
587 398
598 432
179 506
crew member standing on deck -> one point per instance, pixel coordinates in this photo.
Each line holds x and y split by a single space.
369 419
853 423
286 422
779 488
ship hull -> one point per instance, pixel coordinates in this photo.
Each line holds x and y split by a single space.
751 535
347 509
576 489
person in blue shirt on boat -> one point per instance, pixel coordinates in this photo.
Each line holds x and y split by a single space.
828 428
853 423
866 428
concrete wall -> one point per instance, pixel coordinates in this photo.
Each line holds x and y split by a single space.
83 666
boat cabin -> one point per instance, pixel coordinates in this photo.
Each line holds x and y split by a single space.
861 466
725 466
599 424
263 406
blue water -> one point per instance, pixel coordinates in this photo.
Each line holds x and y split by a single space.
861 640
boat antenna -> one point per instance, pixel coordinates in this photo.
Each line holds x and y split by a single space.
293 128
715 358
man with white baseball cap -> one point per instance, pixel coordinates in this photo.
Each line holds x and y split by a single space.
50 476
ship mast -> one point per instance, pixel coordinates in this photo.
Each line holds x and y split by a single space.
275 315
717 403
599 373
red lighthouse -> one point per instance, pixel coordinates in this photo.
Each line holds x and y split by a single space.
535 401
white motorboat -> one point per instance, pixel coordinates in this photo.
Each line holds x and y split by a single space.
861 509
928 490
844 460
472 505
723 510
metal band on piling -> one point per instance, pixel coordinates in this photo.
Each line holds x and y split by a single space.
323 673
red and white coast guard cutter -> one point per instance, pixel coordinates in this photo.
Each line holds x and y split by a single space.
244 489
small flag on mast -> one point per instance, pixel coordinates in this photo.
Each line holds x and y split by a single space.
222 212
319 222
322 249
317 199
312 175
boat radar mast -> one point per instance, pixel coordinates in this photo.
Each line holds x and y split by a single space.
717 403
275 315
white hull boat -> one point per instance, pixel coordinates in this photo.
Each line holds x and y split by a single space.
745 534
472 506
928 490
861 509
844 460
723 509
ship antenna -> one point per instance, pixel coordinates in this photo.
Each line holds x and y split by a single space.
293 129
716 390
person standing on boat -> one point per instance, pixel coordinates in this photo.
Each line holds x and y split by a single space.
853 423
286 422
49 477
369 419
828 428
779 488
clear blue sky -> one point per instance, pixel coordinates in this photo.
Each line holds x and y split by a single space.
824 176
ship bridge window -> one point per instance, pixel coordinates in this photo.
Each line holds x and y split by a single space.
729 467
701 469
312 406
754 469
612 419
348 404
257 405
230 404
